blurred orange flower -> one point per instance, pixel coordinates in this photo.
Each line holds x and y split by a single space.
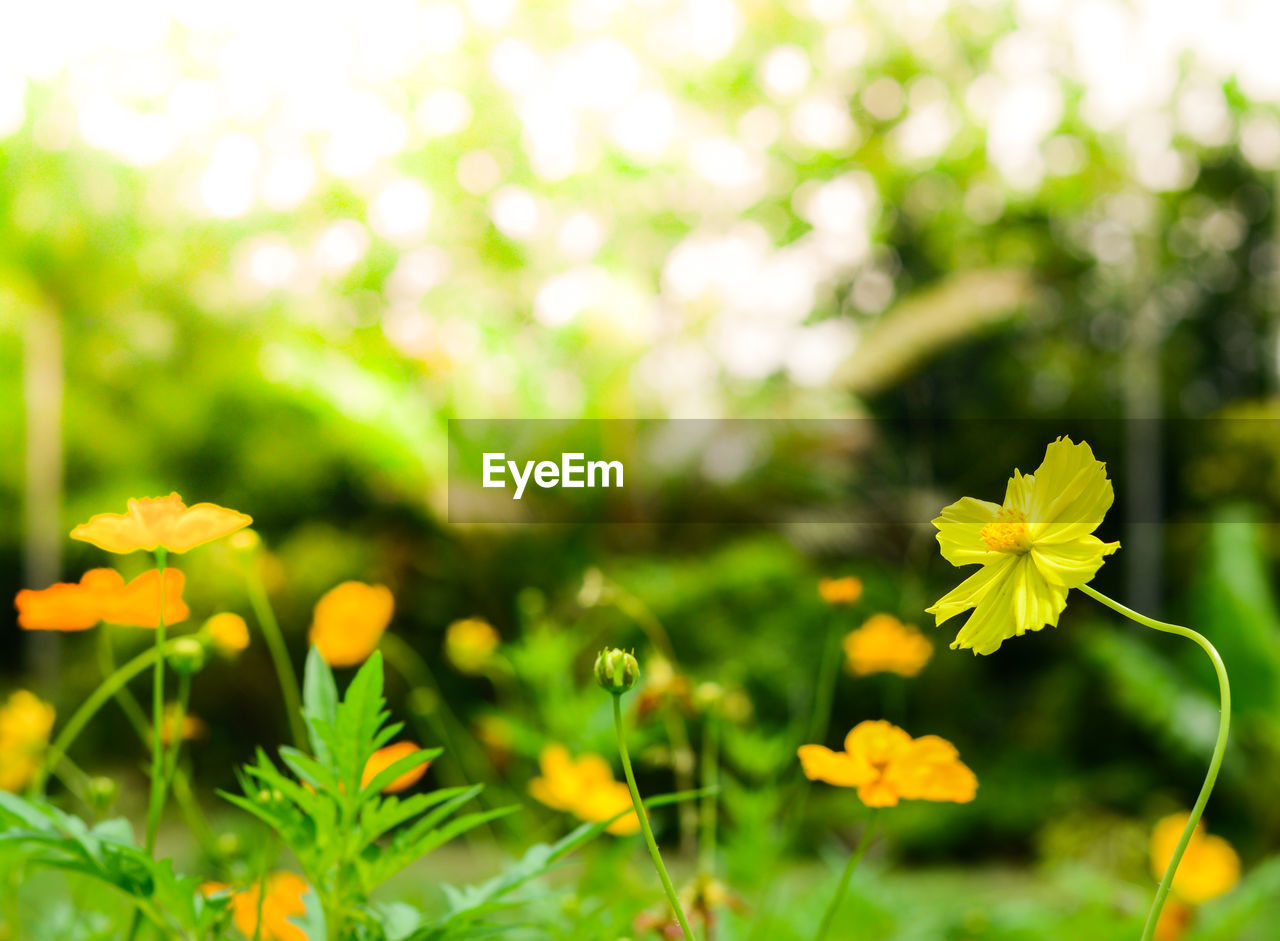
1175 919
349 621
886 765
885 645
102 595
1209 867
229 633
192 727
384 758
845 590
25 724
284 900
160 523
469 644
585 788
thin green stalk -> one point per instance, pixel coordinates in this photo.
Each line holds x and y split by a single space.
667 887
270 627
1219 747
825 691
710 785
682 764
854 858
80 718
411 665
178 780
155 807
179 717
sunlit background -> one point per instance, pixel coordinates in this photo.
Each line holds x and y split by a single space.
261 253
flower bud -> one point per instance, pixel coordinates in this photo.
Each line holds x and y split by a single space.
187 655
616 670
228 632
245 541
101 793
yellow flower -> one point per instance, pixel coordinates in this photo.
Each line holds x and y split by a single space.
160 522
845 590
1209 867
284 900
885 645
102 595
349 621
229 633
585 788
192 727
384 758
469 644
25 724
886 765
1033 549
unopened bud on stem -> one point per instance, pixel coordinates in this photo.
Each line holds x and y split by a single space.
616 670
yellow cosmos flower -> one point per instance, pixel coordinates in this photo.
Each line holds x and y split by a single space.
228 632
846 590
585 788
160 523
1209 867
886 765
284 899
103 595
25 724
885 645
469 644
1033 549
384 758
349 621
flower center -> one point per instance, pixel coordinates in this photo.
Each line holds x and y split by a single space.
1007 532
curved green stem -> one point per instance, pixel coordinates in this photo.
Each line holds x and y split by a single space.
854 858
279 651
1219 748
155 807
80 718
667 887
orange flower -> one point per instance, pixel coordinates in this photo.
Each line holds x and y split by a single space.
25 724
469 644
886 765
102 595
160 523
1209 867
229 633
284 900
384 758
349 621
1174 920
192 727
885 645
845 590
585 788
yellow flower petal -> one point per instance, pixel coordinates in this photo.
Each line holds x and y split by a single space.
839 768
1071 494
960 528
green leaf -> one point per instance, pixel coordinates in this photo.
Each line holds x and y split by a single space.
319 700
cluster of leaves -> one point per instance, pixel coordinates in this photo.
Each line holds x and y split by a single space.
347 835
108 853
